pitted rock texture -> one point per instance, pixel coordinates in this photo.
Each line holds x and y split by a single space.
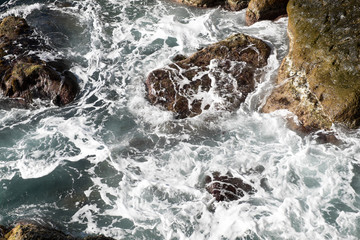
319 80
219 76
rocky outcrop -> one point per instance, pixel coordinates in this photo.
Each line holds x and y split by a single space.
319 80
227 188
23 74
30 231
265 10
219 76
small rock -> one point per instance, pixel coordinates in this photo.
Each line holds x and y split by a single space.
225 188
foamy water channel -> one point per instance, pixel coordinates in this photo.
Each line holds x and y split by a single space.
111 163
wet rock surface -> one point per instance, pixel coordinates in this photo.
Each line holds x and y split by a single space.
23 75
219 76
236 5
265 10
319 79
233 5
31 231
227 188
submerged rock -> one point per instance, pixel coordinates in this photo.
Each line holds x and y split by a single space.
219 76
265 10
319 79
30 231
23 74
227 188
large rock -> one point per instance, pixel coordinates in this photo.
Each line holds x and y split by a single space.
265 10
319 80
219 76
30 231
23 74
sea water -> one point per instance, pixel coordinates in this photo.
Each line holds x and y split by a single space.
111 163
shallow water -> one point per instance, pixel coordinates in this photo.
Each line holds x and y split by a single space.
111 163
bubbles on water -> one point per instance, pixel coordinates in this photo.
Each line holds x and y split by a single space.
130 170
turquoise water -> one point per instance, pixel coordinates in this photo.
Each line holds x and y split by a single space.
111 163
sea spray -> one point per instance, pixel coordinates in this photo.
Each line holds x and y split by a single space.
112 163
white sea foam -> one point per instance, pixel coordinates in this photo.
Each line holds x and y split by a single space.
146 169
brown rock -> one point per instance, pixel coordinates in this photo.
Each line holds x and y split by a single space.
201 3
32 231
265 10
225 188
228 69
24 75
236 5
319 79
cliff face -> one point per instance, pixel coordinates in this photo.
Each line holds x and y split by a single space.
319 79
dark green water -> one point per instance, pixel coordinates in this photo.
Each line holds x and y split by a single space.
111 163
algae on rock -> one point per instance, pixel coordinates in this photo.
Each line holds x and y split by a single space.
319 80
23 75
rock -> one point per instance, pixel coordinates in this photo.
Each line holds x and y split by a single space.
265 10
236 5
233 5
225 188
100 237
219 76
30 231
26 76
201 3
319 78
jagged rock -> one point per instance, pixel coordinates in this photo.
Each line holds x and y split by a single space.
31 231
265 10
227 188
227 70
25 75
236 5
319 79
